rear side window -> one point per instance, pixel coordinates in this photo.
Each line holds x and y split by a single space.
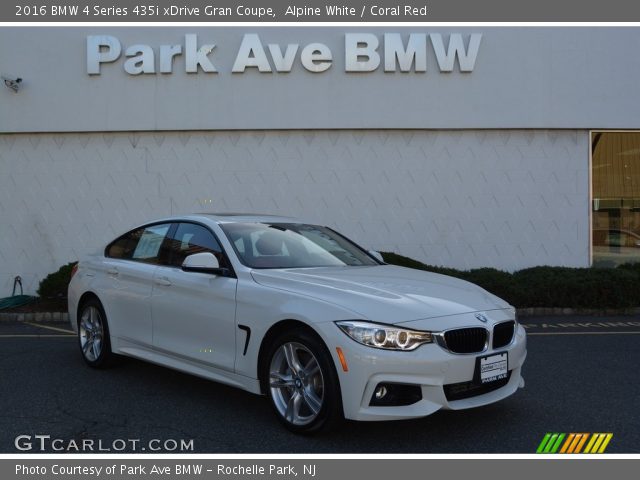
143 244
123 247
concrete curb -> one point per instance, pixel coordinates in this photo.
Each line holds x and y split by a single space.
522 312
596 312
35 317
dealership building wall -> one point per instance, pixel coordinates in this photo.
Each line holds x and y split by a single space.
463 169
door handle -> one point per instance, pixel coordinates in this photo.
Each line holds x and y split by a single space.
162 281
113 271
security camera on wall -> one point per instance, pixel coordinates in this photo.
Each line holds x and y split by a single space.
12 82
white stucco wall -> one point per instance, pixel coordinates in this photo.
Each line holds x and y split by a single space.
467 198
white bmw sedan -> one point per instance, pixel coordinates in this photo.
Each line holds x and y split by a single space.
297 312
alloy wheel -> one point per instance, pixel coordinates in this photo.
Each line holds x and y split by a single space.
296 383
91 331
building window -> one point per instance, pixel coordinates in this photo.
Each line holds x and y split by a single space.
615 173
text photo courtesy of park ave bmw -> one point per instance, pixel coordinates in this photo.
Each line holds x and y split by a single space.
289 240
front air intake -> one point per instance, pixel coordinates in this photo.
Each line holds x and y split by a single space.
462 390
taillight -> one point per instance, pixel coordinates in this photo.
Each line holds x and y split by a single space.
74 269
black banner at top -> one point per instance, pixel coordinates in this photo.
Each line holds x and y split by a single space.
142 11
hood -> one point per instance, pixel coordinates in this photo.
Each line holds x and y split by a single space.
384 293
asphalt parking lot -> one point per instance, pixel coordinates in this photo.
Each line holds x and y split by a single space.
581 376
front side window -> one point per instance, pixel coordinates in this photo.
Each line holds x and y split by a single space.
288 245
143 244
190 238
615 164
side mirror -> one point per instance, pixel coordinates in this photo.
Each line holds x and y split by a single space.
204 262
376 255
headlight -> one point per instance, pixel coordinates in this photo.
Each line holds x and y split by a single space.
384 336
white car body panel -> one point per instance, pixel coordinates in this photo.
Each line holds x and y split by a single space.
206 330
386 293
127 291
213 326
429 366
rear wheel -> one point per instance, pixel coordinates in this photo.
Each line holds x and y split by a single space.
302 383
93 334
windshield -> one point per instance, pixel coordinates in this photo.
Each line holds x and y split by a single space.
293 245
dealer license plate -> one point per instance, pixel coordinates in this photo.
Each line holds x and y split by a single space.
493 367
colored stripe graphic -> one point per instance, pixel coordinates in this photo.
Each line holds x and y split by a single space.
556 445
598 443
581 443
604 445
550 443
574 443
543 443
568 442
590 444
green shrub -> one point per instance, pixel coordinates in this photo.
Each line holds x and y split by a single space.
498 282
549 286
631 267
55 284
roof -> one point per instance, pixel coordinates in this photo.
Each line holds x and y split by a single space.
233 217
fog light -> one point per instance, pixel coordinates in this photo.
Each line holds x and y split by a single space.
395 395
381 391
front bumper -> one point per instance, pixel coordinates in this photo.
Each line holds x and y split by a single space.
430 366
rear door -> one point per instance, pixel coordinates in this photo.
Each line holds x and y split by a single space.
127 277
194 313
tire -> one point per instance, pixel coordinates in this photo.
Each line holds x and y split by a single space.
302 384
93 334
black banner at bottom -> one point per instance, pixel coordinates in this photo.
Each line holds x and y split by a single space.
188 467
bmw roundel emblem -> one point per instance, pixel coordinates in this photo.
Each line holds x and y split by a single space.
481 317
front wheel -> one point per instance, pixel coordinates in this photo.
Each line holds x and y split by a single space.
302 383
93 334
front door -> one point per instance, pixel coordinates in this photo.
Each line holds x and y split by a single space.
194 313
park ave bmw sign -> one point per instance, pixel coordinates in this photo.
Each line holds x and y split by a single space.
363 52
